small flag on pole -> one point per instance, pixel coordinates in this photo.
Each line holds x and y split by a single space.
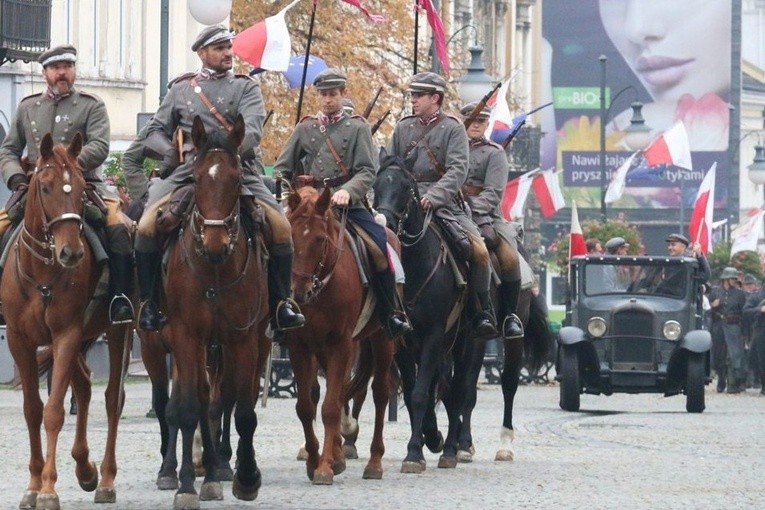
700 227
266 44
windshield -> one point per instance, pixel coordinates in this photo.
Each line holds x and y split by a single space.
618 277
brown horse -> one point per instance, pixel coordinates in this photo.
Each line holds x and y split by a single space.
216 300
47 286
329 289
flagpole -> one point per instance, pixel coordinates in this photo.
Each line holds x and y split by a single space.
416 31
305 62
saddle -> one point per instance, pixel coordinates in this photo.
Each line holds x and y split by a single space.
455 235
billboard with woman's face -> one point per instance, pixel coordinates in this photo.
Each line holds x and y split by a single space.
675 57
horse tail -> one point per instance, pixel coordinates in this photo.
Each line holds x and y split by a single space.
362 370
44 358
538 337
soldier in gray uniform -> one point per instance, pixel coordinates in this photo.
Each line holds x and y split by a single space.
217 96
487 177
334 148
64 111
728 301
434 147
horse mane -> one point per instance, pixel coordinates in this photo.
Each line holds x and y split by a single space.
217 139
392 161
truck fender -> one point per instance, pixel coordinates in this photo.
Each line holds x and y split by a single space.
698 341
570 335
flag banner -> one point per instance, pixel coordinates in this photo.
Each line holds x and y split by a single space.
514 197
576 245
377 18
670 148
501 121
434 20
700 227
294 73
266 44
619 180
547 188
746 235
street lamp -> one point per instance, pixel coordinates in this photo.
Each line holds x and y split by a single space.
757 168
637 135
475 83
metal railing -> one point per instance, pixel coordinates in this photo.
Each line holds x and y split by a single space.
24 28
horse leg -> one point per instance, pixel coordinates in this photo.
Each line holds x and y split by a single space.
433 438
211 489
85 470
247 479
223 444
383 358
304 369
510 374
120 341
466 449
453 400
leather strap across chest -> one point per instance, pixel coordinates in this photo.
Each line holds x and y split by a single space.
211 107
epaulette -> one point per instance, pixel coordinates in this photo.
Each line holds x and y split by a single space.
251 78
492 143
89 94
307 117
30 96
181 77
455 119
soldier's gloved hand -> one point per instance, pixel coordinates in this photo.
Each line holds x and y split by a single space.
16 181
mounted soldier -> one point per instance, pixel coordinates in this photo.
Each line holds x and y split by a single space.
334 148
217 96
63 111
485 184
434 147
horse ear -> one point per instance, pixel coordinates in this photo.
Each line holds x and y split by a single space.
198 133
323 202
293 201
237 133
75 146
46 146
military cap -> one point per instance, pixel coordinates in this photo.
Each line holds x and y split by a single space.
210 35
468 109
615 243
680 238
63 53
429 83
330 78
728 273
750 278
348 105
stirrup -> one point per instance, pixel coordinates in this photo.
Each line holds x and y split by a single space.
118 297
509 321
295 310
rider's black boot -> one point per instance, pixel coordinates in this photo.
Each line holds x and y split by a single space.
512 327
285 313
395 321
148 264
121 278
484 323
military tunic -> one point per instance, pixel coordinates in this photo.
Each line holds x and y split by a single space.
448 143
132 167
39 114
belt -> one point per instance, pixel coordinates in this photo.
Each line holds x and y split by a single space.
471 190
428 177
330 182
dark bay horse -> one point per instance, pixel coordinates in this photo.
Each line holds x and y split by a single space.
328 287
216 287
47 288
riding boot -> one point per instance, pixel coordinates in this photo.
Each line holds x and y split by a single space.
396 322
285 313
148 263
484 323
121 278
512 327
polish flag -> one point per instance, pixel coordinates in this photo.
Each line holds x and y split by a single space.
547 188
514 197
437 27
700 227
746 235
618 180
670 148
576 244
266 44
501 121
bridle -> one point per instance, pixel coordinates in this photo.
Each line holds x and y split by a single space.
413 200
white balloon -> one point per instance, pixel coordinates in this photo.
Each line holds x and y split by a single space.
209 12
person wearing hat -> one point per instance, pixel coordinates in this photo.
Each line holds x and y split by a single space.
617 246
487 176
344 160
754 312
434 148
678 246
348 106
727 301
217 96
750 286
63 111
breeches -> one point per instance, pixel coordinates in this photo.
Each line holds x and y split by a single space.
480 274
509 262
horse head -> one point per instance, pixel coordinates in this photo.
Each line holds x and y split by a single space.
395 193
55 203
218 181
315 235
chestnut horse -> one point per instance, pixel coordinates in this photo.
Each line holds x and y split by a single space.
330 292
216 299
47 286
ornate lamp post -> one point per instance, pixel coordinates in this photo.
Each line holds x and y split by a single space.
475 83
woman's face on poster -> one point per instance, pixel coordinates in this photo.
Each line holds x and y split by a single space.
674 47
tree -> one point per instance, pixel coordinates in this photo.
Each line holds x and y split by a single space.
746 261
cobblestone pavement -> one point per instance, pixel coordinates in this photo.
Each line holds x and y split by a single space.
623 451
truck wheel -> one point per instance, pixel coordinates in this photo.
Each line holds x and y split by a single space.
694 384
569 381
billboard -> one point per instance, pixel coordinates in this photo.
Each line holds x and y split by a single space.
675 57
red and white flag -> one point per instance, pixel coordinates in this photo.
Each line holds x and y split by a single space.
670 148
379 18
747 234
266 44
576 245
434 20
618 181
700 227
547 188
514 197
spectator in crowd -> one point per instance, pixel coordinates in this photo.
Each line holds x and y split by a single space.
727 301
593 246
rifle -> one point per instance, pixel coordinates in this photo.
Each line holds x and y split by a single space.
268 117
513 133
481 104
379 122
371 104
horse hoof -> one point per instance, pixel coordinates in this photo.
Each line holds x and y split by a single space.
350 452
445 462
504 455
29 501
211 491
90 485
246 492
186 501
224 474
438 447
464 456
47 502
199 471
372 473
302 454
167 483
105 495
338 467
323 478
416 467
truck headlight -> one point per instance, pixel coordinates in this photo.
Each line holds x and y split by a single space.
672 330
596 327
